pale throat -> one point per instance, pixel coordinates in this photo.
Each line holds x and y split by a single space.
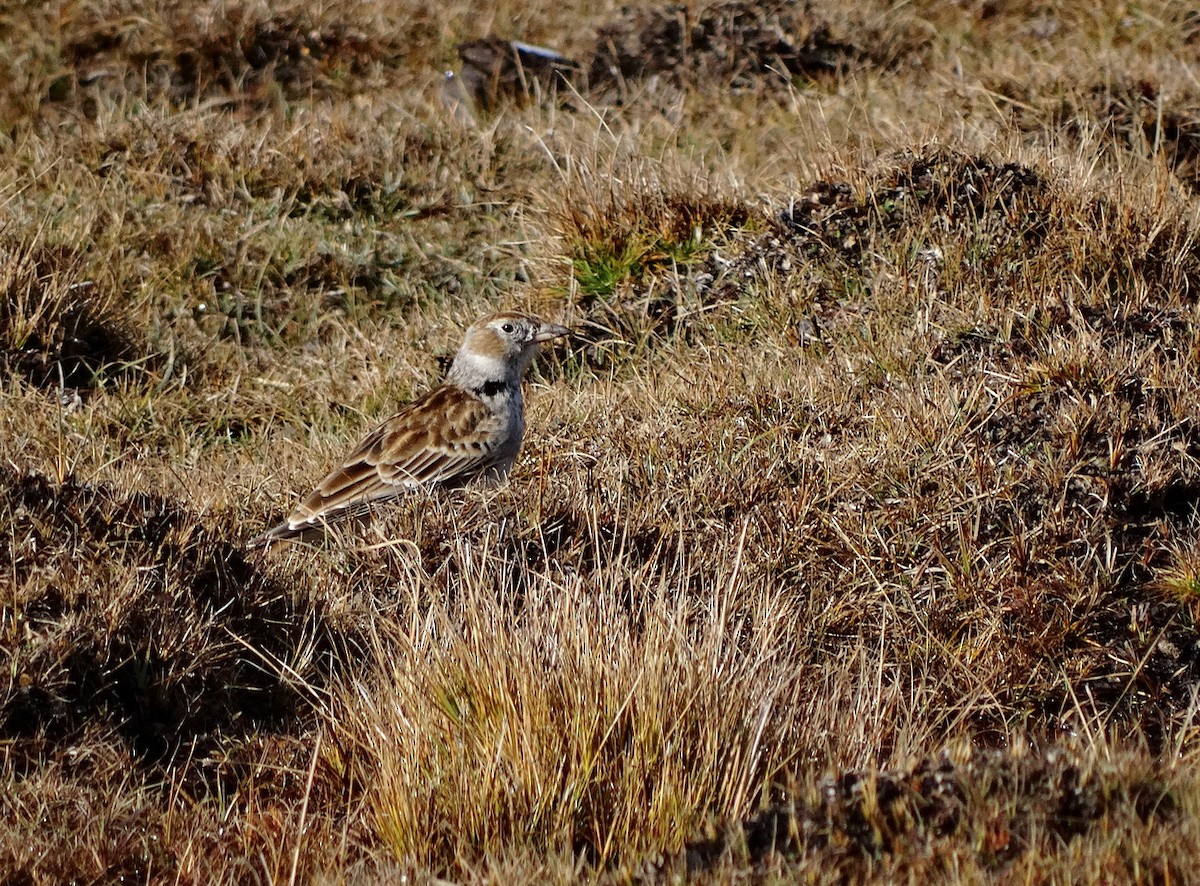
484 375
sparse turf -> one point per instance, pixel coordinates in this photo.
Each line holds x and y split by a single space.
856 533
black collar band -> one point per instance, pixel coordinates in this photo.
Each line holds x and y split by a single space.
491 388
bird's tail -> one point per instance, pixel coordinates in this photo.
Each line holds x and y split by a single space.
315 531
285 533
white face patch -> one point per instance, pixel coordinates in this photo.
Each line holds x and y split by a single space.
487 365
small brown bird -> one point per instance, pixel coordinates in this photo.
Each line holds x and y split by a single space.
468 427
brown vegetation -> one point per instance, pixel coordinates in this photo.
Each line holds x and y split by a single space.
855 537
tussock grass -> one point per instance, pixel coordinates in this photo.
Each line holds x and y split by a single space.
587 708
855 534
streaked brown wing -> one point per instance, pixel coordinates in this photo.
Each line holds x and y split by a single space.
445 437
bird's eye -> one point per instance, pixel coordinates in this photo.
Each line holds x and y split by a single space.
507 327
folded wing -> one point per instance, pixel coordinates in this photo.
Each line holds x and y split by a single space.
445 438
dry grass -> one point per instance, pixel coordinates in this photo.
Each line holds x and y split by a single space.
855 537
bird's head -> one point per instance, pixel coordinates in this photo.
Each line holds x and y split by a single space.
501 346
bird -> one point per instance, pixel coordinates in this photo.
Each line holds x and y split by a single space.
469 427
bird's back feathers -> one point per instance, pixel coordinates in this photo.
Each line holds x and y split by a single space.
447 437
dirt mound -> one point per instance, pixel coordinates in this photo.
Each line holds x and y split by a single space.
1139 113
969 220
734 42
1138 116
186 56
730 44
1006 201
739 44
1090 457
991 800
171 646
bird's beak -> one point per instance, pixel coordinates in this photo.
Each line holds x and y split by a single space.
550 331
